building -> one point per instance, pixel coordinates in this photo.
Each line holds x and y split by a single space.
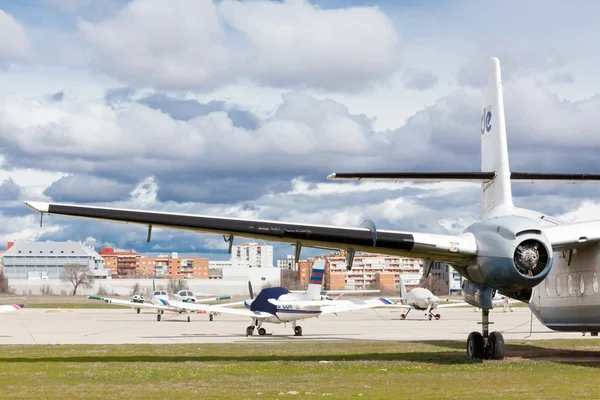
288 263
44 260
173 267
455 282
122 264
217 264
369 271
253 255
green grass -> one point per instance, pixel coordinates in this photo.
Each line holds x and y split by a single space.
553 369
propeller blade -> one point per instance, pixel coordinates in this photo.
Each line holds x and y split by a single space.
250 290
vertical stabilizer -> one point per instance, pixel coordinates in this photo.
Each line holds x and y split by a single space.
403 294
316 280
496 194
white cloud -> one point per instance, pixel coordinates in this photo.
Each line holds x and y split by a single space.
297 43
14 43
177 44
184 44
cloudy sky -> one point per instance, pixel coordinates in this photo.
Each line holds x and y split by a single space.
241 109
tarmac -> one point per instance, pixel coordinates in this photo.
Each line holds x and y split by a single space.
124 326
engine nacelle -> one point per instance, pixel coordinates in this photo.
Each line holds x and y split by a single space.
513 255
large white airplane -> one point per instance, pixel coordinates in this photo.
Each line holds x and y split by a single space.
510 250
277 305
11 307
160 302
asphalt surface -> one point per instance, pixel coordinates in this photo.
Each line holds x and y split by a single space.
123 325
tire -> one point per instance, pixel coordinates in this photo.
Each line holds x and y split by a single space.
429 316
158 317
475 346
437 317
298 331
403 317
262 331
496 350
138 310
210 317
249 331
189 319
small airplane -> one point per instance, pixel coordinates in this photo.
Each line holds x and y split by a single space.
11 307
423 300
277 305
160 302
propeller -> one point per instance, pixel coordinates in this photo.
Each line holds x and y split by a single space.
250 290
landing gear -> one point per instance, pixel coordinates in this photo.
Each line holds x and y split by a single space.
262 331
437 317
297 331
158 317
403 316
489 346
137 310
189 319
210 317
250 330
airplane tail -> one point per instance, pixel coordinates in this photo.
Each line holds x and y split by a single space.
403 294
316 280
496 194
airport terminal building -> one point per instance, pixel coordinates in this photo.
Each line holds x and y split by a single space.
46 260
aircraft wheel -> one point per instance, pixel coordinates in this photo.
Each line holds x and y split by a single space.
475 345
403 317
249 330
496 346
162 311
298 331
262 331
429 316
189 319
438 316
210 317
158 317
138 310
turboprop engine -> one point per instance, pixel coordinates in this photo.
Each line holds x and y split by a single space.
513 256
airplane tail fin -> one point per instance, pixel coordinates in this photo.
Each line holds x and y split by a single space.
403 294
496 193
316 280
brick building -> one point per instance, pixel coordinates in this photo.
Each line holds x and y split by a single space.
122 264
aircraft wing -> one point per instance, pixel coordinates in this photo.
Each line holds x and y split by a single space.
573 235
456 249
220 309
213 299
128 303
353 305
11 307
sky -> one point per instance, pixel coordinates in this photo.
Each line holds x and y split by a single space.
242 108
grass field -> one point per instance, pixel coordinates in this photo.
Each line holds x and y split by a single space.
555 369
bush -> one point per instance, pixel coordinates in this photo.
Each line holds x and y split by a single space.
46 290
4 288
102 291
136 289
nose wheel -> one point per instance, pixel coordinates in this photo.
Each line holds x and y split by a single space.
488 346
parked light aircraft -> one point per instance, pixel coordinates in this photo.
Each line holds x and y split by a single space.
421 299
11 307
160 302
277 305
510 250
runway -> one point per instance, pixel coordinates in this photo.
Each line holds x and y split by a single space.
122 326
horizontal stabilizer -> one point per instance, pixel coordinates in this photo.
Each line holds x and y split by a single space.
461 176
414 176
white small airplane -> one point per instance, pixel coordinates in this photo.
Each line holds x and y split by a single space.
278 305
11 307
160 302
423 300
